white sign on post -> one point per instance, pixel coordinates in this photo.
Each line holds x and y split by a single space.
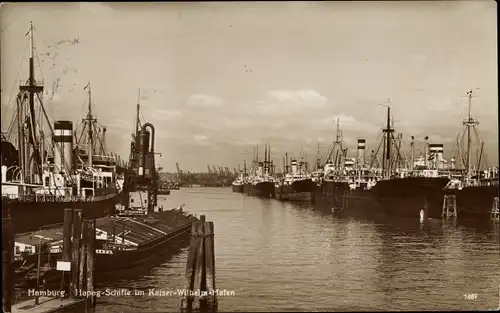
64 266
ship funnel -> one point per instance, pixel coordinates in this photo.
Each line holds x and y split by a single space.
143 147
436 153
63 146
4 174
294 167
360 154
260 169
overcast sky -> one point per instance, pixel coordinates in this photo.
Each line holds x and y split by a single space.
219 78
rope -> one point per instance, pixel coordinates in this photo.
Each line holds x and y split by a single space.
15 84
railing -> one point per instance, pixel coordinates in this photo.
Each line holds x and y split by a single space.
38 82
57 199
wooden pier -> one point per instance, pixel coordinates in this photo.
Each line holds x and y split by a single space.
201 295
77 268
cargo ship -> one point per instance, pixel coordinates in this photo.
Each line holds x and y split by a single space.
474 189
390 186
122 243
261 183
296 185
138 234
237 184
48 177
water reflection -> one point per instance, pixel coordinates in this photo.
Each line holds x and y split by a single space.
293 256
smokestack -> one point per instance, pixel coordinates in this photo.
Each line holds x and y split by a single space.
294 167
436 150
63 150
360 154
426 151
4 174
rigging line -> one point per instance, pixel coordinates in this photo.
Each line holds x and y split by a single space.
14 87
41 74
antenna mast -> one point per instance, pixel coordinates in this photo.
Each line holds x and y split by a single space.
469 123
31 89
90 120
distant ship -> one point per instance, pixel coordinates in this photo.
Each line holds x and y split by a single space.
474 189
237 184
45 179
297 185
261 182
391 188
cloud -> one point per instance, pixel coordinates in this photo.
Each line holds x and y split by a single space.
204 101
96 8
166 115
306 97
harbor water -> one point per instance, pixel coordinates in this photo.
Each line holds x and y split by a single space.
275 256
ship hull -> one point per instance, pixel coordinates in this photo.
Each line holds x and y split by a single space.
264 189
303 185
164 192
475 201
288 193
28 217
401 197
238 188
406 197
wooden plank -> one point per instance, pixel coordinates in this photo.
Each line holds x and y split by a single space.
198 272
75 247
49 305
189 275
210 264
66 253
91 257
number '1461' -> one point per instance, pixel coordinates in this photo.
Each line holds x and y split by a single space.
470 296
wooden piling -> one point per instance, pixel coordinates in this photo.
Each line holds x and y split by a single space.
91 258
66 253
210 265
82 277
200 270
77 233
7 264
188 284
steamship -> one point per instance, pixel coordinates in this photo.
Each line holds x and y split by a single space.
389 188
297 185
138 234
45 177
238 183
474 189
261 183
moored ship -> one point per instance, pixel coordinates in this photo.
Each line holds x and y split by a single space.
475 189
296 185
261 183
48 177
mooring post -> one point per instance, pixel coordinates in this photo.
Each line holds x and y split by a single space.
210 266
82 278
77 233
91 258
7 266
189 275
68 222
199 264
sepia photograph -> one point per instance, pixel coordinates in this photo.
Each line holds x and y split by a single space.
279 156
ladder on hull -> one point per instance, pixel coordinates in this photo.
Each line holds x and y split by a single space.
449 206
495 210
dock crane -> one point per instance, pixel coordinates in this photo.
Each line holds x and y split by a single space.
179 173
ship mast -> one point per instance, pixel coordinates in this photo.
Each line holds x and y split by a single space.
137 120
469 123
90 120
31 89
386 164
